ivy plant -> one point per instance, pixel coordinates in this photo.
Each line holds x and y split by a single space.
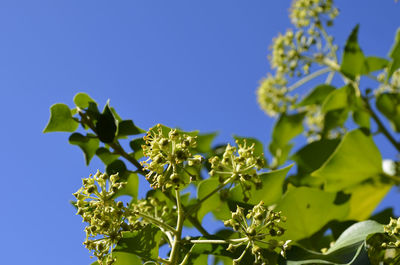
310 204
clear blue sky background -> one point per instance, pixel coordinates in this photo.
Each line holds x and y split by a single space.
193 64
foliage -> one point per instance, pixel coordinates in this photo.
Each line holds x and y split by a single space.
317 215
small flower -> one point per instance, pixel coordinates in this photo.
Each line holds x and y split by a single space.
238 165
168 153
261 227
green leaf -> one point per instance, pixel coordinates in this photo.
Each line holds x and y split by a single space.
362 118
136 145
353 57
271 191
143 243
337 99
127 127
132 186
213 203
124 258
365 197
395 55
89 144
313 155
307 210
355 159
105 155
82 100
389 105
61 119
348 249
317 95
117 166
106 126
287 127
204 142
372 64
334 119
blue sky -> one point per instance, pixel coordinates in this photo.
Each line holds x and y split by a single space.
192 64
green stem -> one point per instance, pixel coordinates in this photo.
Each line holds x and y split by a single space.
381 126
174 257
197 205
308 78
218 241
157 222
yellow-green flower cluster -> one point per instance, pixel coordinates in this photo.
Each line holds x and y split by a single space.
393 230
261 227
105 216
238 165
295 51
272 95
304 13
167 156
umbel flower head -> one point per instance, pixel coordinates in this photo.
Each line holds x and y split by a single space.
304 13
238 165
261 227
105 216
168 153
393 230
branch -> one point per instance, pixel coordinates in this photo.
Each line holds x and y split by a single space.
381 126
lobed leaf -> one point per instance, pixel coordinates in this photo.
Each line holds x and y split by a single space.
61 119
88 144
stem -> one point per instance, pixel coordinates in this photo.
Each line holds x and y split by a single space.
186 258
197 205
157 222
309 78
177 239
218 241
381 126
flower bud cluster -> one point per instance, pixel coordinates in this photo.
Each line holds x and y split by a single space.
393 230
393 86
272 95
304 13
261 227
167 156
294 52
238 165
105 216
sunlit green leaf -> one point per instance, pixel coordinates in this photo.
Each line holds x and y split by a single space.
213 203
348 249
82 100
355 159
395 55
372 64
317 95
271 191
89 144
337 99
124 258
307 210
61 119
132 186
204 142
353 58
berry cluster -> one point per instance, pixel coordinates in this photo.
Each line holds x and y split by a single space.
260 226
168 153
238 165
105 216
